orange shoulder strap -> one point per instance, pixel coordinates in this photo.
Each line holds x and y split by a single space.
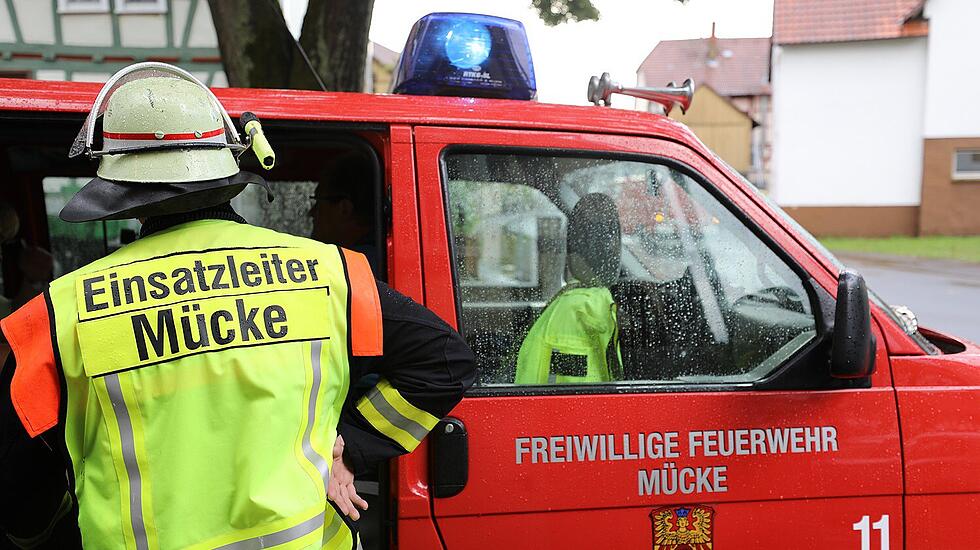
35 390
365 306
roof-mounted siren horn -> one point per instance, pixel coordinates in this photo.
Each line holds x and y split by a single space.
602 88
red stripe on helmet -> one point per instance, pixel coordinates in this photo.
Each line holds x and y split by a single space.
166 137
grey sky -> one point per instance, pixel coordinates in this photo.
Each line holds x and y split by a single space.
565 56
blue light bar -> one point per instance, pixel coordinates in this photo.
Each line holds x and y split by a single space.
466 54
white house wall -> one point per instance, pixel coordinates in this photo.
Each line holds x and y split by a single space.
143 31
88 29
953 76
44 43
220 80
36 21
202 33
847 122
80 76
50 74
6 26
179 10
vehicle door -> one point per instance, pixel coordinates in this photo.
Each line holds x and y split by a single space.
717 421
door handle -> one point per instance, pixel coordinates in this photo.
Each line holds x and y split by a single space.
449 463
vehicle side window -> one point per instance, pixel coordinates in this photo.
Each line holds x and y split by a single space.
328 191
289 213
599 271
76 244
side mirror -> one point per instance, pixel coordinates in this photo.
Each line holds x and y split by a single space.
853 350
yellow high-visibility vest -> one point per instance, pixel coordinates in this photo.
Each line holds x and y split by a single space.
575 340
205 368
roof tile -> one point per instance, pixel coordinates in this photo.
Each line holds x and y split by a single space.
812 21
740 68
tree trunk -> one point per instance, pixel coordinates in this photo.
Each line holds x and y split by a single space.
335 37
256 47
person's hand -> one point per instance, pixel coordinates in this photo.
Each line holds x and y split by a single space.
341 488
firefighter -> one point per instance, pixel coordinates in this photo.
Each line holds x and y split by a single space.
576 338
343 210
189 389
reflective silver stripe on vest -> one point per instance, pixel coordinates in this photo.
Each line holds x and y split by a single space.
129 459
136 483
321 464
308 451
279 537
396 418
336 522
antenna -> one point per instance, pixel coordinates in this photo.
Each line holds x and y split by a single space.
302 52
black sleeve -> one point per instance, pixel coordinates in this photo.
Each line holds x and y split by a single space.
36 508
425 363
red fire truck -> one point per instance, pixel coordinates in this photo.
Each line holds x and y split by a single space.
766 399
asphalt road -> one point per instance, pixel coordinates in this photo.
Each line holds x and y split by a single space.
944 295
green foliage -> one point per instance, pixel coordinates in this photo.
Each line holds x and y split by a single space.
555 12
964 249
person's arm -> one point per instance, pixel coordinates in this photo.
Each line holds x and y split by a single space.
424 371
398 397
36 507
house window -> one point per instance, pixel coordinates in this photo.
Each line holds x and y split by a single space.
83 6
141 6
966 165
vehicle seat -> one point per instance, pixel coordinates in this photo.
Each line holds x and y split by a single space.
664 332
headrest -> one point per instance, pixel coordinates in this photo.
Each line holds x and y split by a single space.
594 241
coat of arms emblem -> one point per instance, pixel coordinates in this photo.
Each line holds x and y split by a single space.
682 528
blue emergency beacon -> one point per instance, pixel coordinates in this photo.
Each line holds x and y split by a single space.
468 55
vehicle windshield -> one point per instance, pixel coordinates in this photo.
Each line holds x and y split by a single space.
921 340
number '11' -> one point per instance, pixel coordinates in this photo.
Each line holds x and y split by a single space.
864 527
